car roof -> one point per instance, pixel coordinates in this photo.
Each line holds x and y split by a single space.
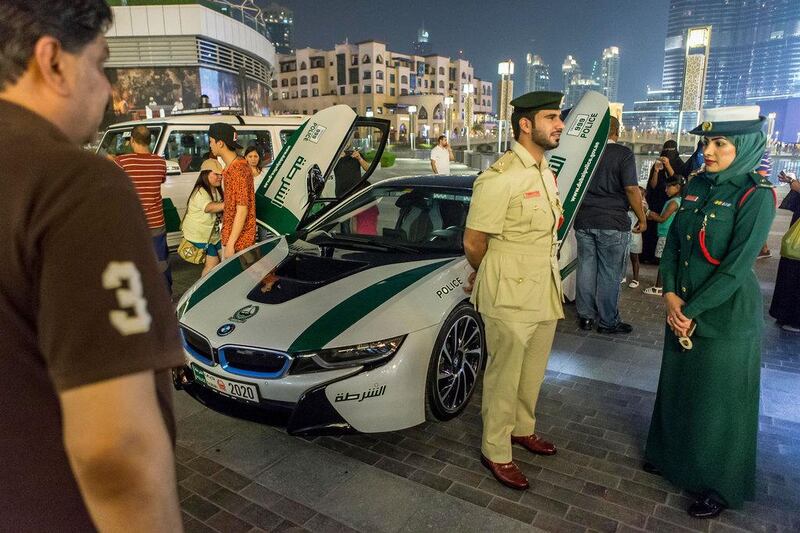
194 120
433 180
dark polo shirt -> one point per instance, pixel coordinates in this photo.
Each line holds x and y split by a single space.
81 301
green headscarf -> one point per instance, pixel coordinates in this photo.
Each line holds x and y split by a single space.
749 150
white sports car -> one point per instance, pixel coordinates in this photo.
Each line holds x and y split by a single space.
356 321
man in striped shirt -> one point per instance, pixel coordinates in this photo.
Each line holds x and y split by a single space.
147 172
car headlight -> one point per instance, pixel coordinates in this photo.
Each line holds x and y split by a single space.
368 353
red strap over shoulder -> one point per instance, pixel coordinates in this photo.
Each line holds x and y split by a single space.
749 191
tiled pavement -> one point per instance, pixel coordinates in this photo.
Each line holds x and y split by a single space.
238 475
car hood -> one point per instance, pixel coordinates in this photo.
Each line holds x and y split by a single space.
284 295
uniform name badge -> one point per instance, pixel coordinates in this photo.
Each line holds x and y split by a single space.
532 194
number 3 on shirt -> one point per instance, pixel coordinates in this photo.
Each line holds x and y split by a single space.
124 278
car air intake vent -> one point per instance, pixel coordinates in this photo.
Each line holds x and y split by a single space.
197 343
251 360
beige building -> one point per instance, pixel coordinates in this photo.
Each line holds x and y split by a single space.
373 80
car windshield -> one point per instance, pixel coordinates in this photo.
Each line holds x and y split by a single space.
421 218
118 141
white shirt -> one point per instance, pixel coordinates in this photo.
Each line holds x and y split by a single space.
442 158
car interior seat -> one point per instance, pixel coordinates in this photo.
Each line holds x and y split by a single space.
419 216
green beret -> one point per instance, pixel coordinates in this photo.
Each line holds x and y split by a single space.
726 121
538 100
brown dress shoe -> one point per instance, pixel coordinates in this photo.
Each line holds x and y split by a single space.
535 444
508 474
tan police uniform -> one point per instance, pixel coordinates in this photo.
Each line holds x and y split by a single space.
517 291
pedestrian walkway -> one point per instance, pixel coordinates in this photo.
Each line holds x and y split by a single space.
243 475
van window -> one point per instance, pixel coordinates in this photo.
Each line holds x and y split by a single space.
118 141
261 139
188 148
285 134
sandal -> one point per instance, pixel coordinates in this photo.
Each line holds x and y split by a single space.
633 284
653 291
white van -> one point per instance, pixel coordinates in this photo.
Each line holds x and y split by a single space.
183 141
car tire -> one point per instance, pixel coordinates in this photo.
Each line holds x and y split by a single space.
456 362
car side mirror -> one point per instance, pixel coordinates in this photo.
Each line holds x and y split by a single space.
173 168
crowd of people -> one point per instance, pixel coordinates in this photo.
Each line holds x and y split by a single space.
90 334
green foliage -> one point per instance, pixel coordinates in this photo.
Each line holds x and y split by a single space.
387 159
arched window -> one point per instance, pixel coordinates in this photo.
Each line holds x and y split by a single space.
303 65
304 93
441 84
379 59
404 79
314 78
303 80
463 75
366 59
423 113
379 75
441 71
294 81
284 82
438 114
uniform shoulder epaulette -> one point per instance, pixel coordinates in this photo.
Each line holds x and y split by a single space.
761 181
502 163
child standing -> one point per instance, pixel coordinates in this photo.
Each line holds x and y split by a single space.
664 221
636 244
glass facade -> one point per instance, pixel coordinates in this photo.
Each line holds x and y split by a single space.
754 54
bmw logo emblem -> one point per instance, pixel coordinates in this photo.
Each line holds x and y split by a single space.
225 329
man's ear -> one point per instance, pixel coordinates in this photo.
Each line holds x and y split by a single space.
525 125
50 62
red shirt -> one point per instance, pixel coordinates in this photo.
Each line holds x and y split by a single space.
147 172
237 180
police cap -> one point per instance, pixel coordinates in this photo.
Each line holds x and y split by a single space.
537 100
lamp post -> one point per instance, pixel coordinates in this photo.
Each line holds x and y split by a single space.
468 89
448 102
505 70
411 125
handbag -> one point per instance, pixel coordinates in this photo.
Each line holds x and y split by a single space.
191 253
790 244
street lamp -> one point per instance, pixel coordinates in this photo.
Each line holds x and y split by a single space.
411 125
468 89
448 101
505 69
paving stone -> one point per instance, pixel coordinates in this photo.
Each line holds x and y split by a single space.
662 526
229 501
426 463
590 430
467 463
544 504
363 455
207 467
260 517
334 444
287 526
470 494
629 501
182 472
645 491
433 481
556 524
183 454
461 475
395 467
292 510
747 522
515 511
252 451
591 520
260 494
225 521
587 449
200 485
679 517
190 525
325 524
418 447
492 486
717 527
230 479
562 480
388 450
198 507
595 476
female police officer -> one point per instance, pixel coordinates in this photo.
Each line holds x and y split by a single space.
705 420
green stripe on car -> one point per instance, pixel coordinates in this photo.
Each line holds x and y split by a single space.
226 273
348 312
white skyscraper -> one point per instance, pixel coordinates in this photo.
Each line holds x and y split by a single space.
609 73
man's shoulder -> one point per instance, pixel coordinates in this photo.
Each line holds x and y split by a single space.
618 151
505 162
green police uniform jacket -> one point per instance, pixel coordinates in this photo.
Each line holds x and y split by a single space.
710 250
515 201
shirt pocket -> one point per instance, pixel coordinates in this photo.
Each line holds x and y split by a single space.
519 285
719 222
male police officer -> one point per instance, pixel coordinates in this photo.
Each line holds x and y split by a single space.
511 241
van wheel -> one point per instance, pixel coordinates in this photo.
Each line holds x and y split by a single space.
456 362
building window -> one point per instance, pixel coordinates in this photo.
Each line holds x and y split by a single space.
315 78
441 84
423 113
441 71
274 84
379 59
294 94
392 78
274 96
426 84
314 92
367 75
303 65
367 89
366 59
331 78
353 75
355 89
303 80
438 114
304 93
404 79
294 81
379 89
379 75
469 77
341 91
284 82
391 91
463 75
354 60
284 95
379 110
403 92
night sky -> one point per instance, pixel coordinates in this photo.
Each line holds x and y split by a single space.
489 32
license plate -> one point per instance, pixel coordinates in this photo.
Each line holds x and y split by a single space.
234 389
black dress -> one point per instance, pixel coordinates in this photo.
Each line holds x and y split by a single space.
785 306
656 198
